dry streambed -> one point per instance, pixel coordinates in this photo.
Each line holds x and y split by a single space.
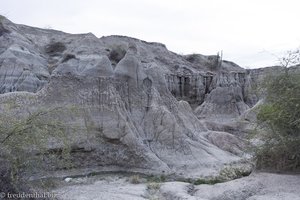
257 186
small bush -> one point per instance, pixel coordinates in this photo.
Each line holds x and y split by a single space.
116 54
211 181
191 58
135 179
54 49
229 173
156 179
214 62
68 57
153 186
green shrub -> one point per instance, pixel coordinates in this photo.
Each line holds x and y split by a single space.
157 179
153 186
135 179
210 181
279 117
191 58
55 48
24 141
116 54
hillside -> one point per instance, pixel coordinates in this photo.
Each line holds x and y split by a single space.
121 104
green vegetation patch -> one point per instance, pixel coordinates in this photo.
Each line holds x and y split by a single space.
279 118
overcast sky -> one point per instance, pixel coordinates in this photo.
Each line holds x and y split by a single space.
250 32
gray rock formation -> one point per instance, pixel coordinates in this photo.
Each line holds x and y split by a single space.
128 104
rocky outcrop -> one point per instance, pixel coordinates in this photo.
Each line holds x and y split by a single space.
126 104
226 97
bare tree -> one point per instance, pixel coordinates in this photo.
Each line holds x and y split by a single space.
291 58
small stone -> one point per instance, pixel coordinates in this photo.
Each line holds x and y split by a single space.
68 179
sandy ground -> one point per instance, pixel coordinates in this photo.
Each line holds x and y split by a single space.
257 186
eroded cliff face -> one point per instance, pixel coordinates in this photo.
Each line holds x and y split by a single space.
129 104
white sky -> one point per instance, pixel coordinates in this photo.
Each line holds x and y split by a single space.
250 32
